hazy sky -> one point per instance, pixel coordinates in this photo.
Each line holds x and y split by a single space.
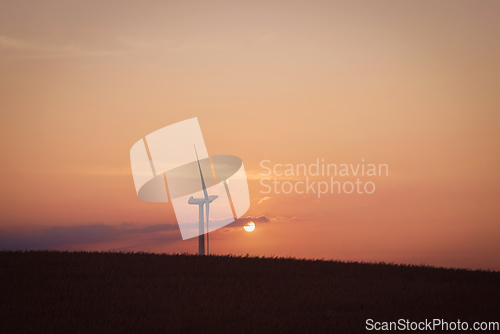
414 85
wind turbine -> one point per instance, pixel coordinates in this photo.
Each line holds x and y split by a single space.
200 202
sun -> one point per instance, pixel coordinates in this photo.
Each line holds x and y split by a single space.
249 227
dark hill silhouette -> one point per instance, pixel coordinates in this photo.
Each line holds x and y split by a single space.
89 292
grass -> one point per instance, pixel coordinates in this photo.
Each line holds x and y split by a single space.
90 292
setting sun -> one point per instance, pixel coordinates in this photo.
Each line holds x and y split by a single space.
249 227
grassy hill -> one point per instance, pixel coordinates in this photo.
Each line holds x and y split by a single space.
89 292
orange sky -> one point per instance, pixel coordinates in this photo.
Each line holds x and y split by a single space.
412 85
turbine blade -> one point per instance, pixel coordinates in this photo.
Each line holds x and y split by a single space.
201 174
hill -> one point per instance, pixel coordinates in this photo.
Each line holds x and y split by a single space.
89 292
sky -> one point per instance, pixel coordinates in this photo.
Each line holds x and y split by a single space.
412 85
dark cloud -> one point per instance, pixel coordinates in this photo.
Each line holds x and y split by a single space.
243 221
68 237
55 237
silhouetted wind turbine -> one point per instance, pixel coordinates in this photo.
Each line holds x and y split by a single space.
200 202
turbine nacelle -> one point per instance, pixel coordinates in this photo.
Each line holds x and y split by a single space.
201 201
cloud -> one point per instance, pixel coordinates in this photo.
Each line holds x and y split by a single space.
286 219
32 49
121 237
9 43
243 221
263 199
176 45
258 220
262 219
147 44
57 237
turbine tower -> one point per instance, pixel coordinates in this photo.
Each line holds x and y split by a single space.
200 202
